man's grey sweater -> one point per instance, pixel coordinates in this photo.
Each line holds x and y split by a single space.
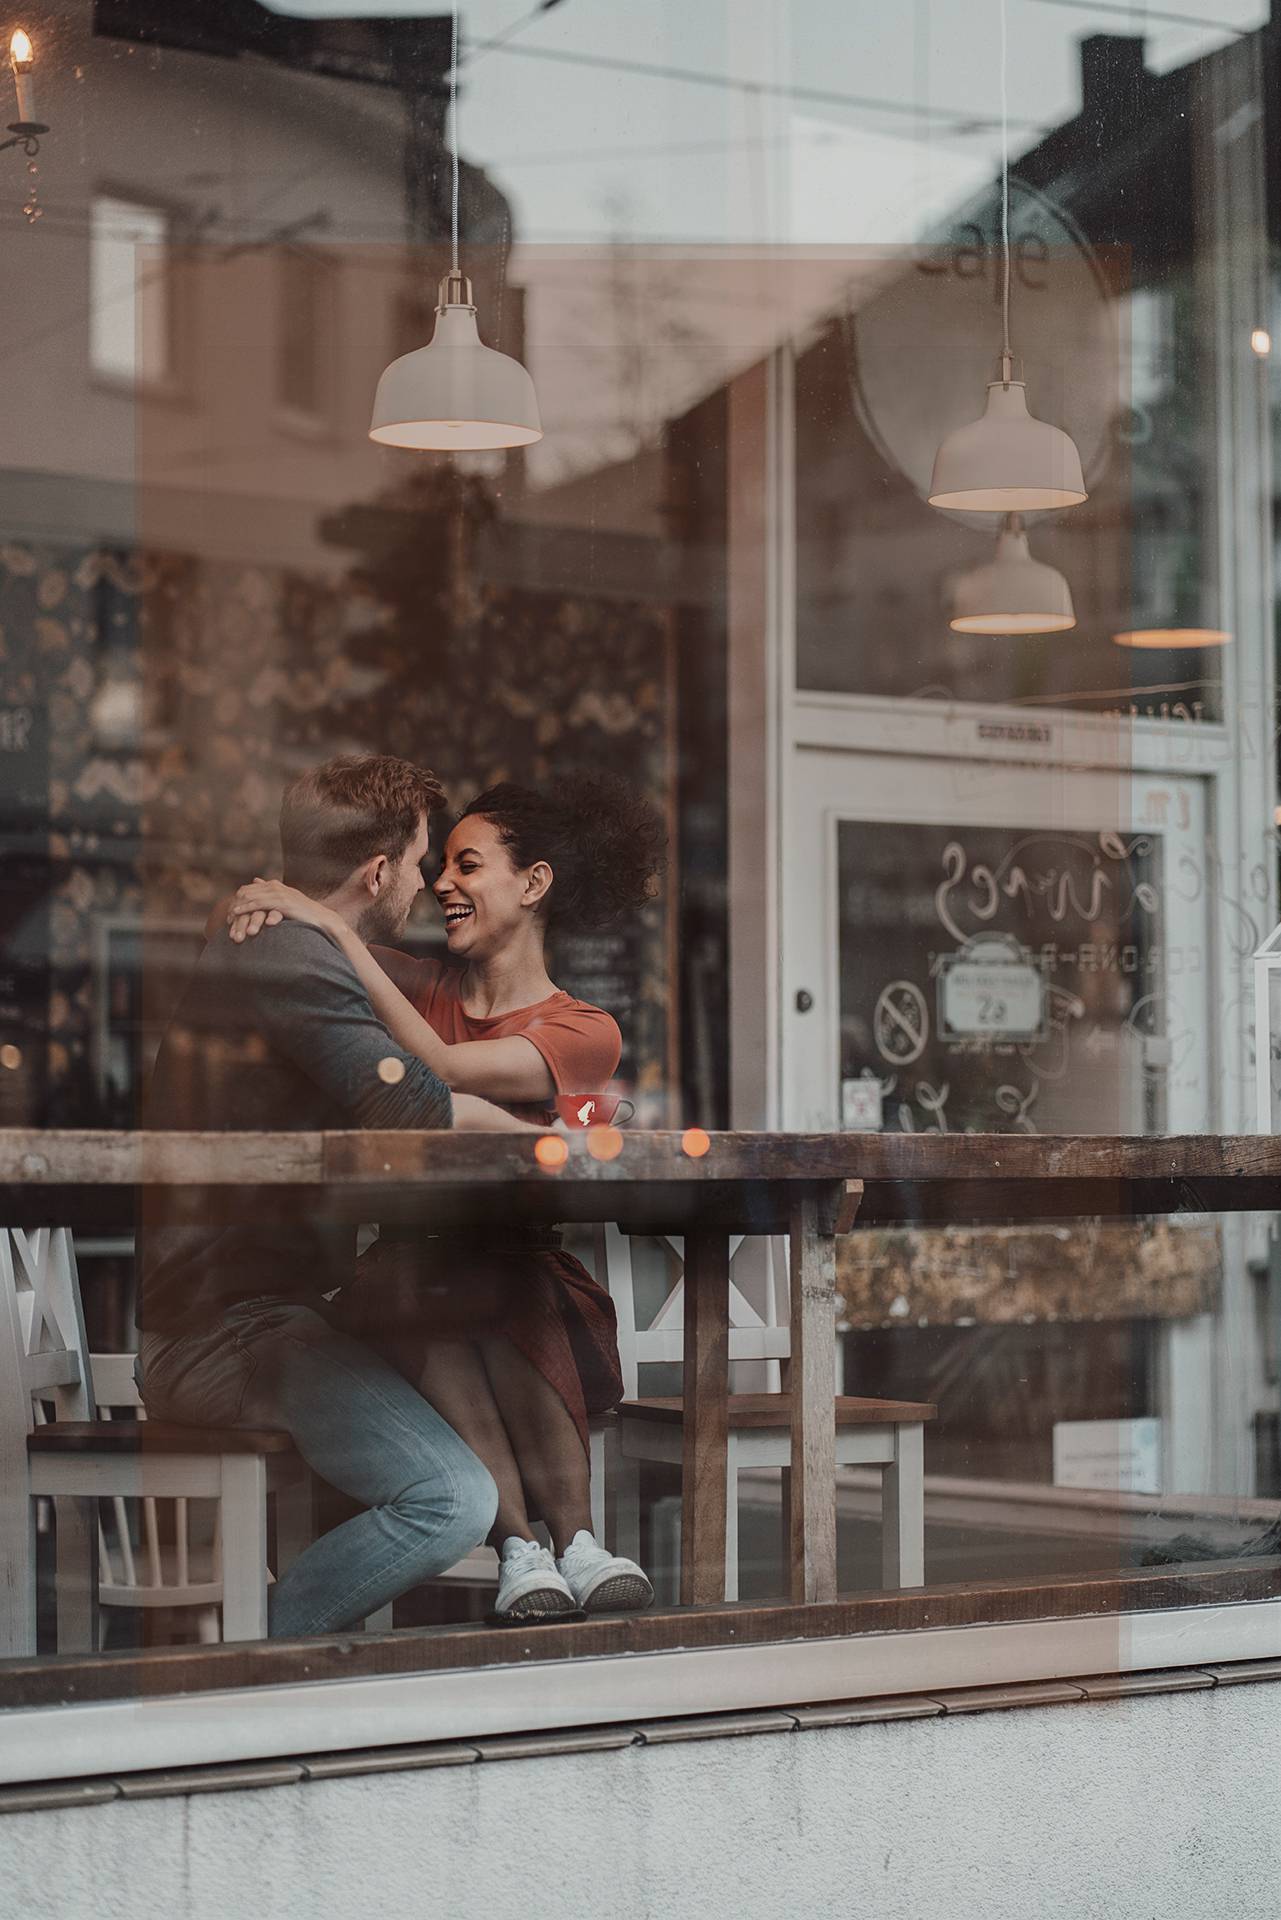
277 1033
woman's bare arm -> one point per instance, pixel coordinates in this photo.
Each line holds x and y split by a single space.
507 1069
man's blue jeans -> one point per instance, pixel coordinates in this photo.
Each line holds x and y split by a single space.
359 1425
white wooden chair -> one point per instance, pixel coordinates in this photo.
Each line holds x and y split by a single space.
78 1459
884 1433
155 1553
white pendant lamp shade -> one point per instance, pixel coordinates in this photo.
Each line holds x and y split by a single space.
1007 461
455 394
1013 593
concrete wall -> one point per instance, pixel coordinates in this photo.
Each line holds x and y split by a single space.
1164 1805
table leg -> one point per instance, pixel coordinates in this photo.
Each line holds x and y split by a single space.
813 1373
76 1526
705 1454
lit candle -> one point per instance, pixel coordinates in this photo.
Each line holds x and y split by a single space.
22 57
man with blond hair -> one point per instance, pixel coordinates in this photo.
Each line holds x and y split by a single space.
279 1034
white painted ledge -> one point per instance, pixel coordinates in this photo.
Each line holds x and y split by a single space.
183 1730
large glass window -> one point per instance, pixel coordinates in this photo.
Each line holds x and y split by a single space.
949 879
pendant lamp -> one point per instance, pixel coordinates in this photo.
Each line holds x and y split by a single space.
1007 461
1170 610
455 394
1013 593
1173 637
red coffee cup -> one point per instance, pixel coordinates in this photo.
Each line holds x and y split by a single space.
593 1109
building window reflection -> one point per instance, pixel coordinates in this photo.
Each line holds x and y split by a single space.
305 336
131 325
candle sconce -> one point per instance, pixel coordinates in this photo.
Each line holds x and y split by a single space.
26 130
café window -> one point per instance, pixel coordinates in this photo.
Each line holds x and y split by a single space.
922 955
132 316
305 343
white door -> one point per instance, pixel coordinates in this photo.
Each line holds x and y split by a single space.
970 947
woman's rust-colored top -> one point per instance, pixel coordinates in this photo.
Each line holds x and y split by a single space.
580 1043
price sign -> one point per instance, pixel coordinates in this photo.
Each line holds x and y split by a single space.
988 992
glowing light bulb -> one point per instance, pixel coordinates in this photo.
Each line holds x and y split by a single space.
1261 342
551 1152
22 58
695 1142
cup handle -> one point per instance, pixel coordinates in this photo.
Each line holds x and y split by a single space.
621 1118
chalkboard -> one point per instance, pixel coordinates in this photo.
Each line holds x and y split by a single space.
997 979
607 969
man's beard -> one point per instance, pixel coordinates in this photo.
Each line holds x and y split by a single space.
383 920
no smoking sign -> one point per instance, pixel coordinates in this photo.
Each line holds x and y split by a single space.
901 1023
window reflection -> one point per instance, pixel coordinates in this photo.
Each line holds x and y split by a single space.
131 312
921 882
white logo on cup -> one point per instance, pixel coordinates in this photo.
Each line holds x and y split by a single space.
585 1112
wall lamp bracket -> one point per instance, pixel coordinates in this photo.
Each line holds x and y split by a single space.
26 134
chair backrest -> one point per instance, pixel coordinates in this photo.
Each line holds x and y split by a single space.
753 1336
45 1362
44 1357
133 1564
115 1390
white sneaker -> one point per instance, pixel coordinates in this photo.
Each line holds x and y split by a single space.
602 1582
528 1582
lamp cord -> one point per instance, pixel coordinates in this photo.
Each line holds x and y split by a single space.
1005 200
453 127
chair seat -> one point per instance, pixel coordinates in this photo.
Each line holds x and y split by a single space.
766 1410
153 1436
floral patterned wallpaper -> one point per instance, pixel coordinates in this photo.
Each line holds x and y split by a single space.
153 705
70 794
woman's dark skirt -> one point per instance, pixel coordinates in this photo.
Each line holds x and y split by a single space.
418 1290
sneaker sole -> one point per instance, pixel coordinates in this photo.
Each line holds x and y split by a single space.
621 1593
541 1600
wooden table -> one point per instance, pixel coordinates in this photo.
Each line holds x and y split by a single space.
810 1186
